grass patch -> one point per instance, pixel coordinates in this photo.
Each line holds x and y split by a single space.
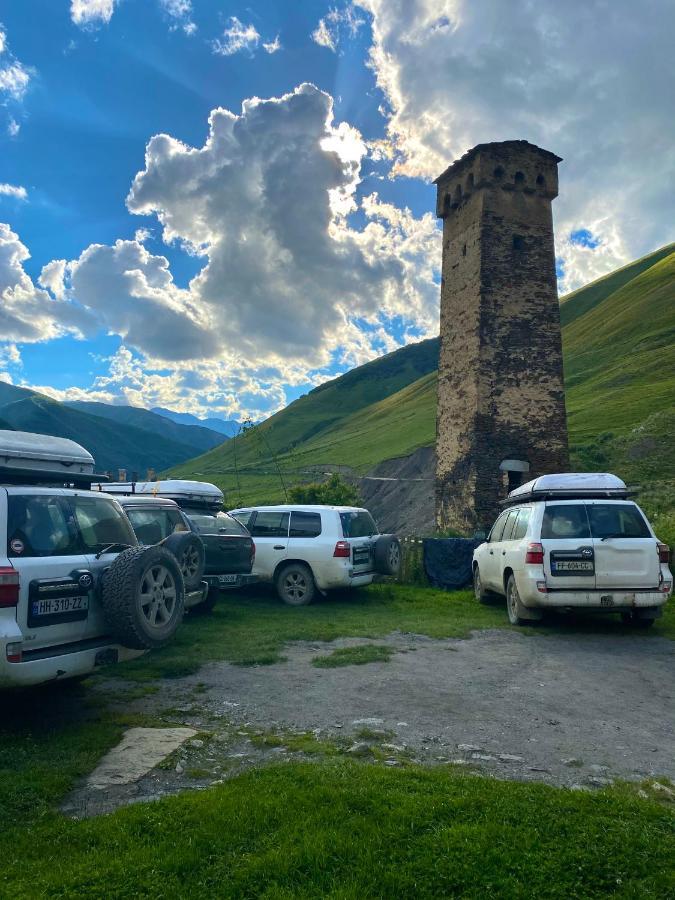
354 830
354 656
303 742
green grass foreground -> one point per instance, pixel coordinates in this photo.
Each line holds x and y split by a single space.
251 628
353 831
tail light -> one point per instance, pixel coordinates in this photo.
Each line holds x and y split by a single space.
14 652
664 553
252 552
342 550
9 587
535 555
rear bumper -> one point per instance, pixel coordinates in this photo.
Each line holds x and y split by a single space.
219 581
59 663
606 599
194 598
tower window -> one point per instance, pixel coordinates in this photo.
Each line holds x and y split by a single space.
541 181
464 250
519 178
498 173
458 194
469 182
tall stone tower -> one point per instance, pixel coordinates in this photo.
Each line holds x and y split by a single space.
501 400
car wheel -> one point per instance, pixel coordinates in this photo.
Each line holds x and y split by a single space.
513 602
387 555
188 548
295 584
143 597
480 593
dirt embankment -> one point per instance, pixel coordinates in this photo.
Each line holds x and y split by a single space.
400 493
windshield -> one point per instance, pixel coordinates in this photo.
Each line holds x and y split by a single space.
217 523
358 524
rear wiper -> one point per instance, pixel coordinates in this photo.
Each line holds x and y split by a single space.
110 547
616 535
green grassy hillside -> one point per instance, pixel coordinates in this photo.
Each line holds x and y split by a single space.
620 379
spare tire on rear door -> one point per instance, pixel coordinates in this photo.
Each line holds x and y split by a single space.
188 548
143 597
387 555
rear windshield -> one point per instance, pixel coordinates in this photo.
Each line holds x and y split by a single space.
617 520
357 524
217 523
52 525
582 521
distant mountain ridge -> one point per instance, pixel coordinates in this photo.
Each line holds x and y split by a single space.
117 436
227 427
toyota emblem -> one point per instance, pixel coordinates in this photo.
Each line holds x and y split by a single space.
85 581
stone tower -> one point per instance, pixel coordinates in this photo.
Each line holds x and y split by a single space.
501 400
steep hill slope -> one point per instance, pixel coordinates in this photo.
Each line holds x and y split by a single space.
202 439
620 378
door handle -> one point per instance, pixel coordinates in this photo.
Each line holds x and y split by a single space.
503 552
279 547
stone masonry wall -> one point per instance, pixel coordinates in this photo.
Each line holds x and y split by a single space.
501 393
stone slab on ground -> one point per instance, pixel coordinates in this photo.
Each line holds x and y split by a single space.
139 751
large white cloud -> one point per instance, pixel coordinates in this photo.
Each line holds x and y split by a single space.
589 80
27 313
266 201
15 78
290 283
91 12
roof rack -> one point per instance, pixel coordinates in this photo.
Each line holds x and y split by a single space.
27 458
569 486
57 478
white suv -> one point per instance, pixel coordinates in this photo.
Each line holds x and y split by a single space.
76 589
574 541
304 548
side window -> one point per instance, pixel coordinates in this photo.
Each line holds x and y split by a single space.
522 522
270 524
565 520
497 529
510 522
40 526
101 523
176 521
244 517
305 524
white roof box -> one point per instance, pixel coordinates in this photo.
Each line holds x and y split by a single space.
201 493
26 457
570 485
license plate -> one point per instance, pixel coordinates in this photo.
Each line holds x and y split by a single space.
361 555
57 606
227 579
572 565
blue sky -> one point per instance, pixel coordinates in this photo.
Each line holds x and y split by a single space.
174 308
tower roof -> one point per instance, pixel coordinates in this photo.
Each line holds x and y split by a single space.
495 149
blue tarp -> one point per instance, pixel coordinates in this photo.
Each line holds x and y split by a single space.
447 561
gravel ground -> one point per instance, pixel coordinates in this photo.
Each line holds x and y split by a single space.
579 711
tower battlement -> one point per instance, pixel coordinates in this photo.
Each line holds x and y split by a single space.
501 403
